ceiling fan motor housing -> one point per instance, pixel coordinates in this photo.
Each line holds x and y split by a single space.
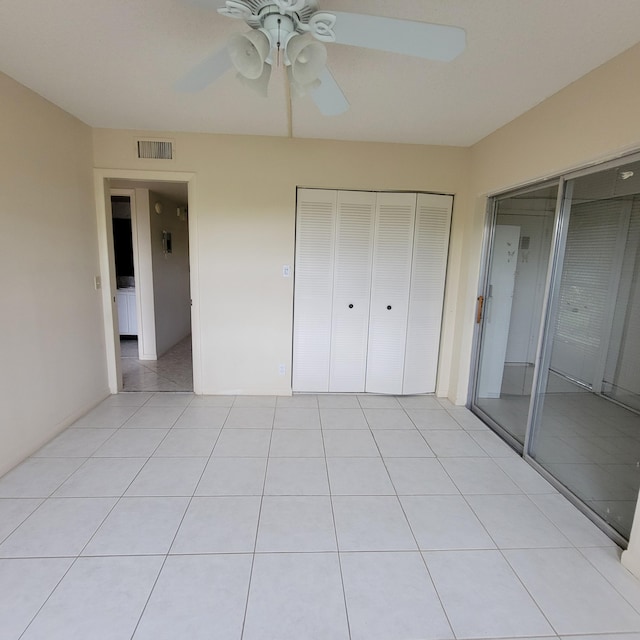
296 16
279 29
292 27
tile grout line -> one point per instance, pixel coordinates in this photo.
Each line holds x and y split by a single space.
622 595
415 539
335 528
50 495
79 555
255 541
422 552
73 563
524 586
175 535
35 615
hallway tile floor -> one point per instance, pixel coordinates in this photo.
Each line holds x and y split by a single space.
160 516
173 371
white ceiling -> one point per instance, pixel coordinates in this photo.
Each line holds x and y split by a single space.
113 63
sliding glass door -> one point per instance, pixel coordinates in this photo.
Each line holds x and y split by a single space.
558 364
586 429
510 311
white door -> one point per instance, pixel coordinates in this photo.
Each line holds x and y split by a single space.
390 285
351 290
315 231
426 297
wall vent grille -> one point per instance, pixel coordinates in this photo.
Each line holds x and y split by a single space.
155 149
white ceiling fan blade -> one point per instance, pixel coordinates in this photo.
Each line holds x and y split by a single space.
205 73
421 39
328 97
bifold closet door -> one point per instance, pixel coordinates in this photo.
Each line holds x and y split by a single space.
315 242
407 294
426 297
369 290
351 290
390 286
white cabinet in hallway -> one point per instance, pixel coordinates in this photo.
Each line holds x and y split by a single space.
369 290
127 317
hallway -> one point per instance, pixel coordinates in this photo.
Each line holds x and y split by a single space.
174 516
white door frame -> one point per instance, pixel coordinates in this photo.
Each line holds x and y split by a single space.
102 189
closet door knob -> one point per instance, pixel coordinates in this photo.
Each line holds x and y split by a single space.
388 307
350 306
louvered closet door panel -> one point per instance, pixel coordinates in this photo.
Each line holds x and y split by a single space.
315 231
351 290
393 243
426 298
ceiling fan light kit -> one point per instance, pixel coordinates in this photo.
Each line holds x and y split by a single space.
248 52
261 84
279 33
294 32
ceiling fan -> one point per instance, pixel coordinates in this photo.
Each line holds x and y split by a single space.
293 33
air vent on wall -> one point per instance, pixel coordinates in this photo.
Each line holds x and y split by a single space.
155 149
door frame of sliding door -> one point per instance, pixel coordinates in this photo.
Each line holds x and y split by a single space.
549 310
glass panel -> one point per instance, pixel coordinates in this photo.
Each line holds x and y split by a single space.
581 436
513 307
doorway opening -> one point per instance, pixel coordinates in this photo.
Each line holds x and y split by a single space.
150 224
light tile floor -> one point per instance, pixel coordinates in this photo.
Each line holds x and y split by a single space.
587 442
173 516
173 371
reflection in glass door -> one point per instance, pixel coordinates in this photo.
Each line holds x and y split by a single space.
558 356
586 427
511 309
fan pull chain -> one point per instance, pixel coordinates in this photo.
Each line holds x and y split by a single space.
278 44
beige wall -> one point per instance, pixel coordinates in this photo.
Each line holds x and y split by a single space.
593 119
243 206
245 210
171 295
51 338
